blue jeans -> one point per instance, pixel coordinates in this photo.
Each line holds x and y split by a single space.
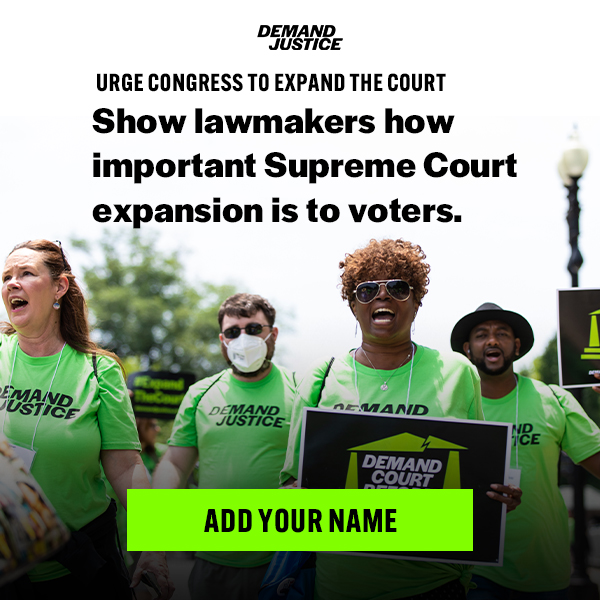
488 590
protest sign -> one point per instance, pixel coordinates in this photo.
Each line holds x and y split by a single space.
158 394
578 337
342 449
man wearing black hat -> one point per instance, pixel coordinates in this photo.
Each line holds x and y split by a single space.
545 420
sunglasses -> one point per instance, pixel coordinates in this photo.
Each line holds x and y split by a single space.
251 329
369 290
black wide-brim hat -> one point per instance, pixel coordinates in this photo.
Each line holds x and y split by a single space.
492 312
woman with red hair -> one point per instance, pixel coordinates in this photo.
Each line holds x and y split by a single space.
65 409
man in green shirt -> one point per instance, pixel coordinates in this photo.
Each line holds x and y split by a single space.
235 424
545 420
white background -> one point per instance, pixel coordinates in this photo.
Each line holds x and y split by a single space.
518 76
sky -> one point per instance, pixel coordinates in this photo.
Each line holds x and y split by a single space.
517 78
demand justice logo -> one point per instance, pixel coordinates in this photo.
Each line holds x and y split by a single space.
405 461
593 351
301 37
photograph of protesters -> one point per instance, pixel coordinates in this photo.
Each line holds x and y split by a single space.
384 284
67 412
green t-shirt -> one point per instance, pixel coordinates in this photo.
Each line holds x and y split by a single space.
240 429
82 416
442 385
536 547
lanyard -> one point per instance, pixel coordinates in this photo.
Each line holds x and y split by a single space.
45 397
517 424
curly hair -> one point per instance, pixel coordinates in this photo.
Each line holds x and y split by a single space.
74 325
387 259
246 305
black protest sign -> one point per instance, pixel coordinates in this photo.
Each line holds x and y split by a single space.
578 337
158 394
342 449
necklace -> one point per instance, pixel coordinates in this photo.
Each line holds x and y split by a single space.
384 385
412 362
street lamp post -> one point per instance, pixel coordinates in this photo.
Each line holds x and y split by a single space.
571 167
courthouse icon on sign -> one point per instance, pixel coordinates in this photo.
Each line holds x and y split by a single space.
594 350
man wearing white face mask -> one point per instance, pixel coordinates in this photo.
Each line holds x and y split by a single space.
235 424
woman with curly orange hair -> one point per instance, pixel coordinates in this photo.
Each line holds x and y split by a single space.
384 284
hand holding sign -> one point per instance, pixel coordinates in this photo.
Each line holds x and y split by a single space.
507 494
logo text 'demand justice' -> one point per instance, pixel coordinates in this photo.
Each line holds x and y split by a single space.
405 461
301 37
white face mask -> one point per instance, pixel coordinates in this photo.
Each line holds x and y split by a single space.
247 352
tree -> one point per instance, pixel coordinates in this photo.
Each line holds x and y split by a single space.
545 366
143 308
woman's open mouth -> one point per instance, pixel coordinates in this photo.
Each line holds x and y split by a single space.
17 303
383 315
